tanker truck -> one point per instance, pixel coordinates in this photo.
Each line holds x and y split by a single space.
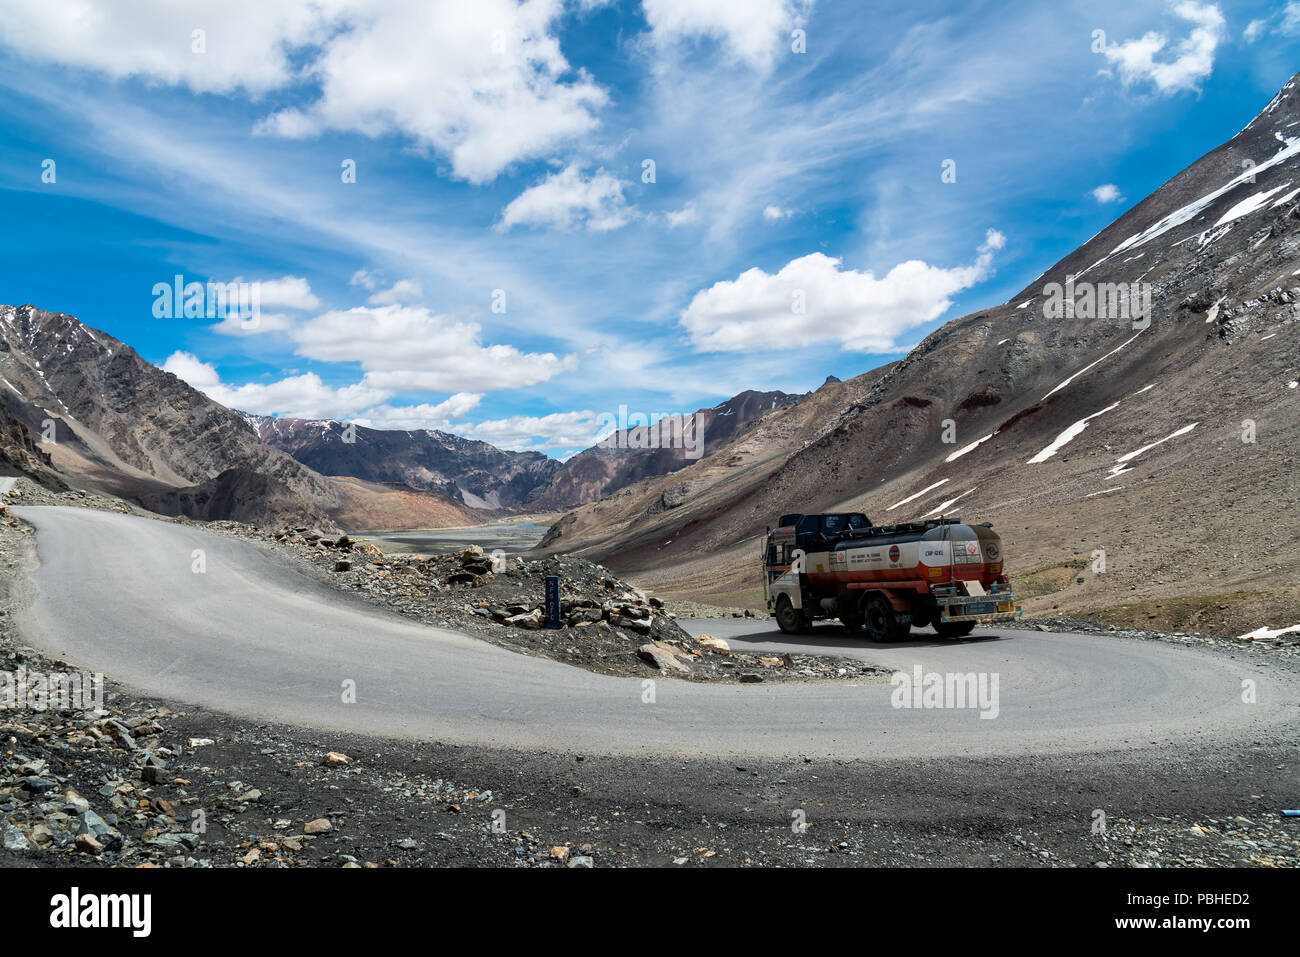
884 578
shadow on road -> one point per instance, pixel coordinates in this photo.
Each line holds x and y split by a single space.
835 638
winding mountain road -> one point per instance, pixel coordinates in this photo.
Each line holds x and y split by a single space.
251 636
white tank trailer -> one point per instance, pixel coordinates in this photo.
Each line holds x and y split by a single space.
885 578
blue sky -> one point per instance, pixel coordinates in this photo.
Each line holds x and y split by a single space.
500 154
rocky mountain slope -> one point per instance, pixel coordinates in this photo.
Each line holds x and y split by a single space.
1169 442
634 453
21 454
474 473
123 426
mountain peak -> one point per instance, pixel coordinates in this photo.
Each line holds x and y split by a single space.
1283 105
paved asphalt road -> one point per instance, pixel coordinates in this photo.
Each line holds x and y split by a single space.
255 638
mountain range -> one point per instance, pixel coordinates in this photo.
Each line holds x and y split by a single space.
80 404
110 421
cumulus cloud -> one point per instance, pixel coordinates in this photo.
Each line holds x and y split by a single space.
425 415
1107 193
567 198
749 32
411 348
774 214
287 292
813 299
265 322
303 396
1193 56
402 291
517 433
483 84
307 396
240 44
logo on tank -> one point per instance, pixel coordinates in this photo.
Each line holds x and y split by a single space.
893 553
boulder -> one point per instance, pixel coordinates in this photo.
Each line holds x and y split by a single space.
664 657
716 645
530 620
87 844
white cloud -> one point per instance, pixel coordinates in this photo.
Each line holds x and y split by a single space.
774 214
246 43
1287 23
1194 55
559 430
484 84
685 216
363 278
303 396
751 32
308 397
287 292
265 322
402 291
422 416
411 348
567 198
758 310
1107 193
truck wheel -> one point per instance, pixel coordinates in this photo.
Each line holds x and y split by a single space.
881 622
954 629
788 618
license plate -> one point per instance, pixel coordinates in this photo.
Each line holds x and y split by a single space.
980 608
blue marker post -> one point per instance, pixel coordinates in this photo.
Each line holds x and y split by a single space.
552 601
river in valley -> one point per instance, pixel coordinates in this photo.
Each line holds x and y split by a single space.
510 537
